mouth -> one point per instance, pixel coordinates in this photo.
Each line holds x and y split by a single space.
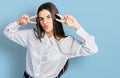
45 26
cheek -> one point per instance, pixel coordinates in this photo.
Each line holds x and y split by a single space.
52 24
51 21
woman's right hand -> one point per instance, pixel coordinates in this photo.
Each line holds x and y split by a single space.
26 19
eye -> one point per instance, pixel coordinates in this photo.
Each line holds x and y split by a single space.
40 18
49 16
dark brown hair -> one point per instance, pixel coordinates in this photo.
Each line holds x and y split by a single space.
58 31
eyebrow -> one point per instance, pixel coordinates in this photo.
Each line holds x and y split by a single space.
46 16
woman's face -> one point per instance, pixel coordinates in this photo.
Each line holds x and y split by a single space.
46 21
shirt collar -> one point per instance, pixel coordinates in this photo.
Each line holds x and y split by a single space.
48 39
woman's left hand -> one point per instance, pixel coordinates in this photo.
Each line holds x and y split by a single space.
69 21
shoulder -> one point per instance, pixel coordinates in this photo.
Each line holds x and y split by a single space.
67 39
31 33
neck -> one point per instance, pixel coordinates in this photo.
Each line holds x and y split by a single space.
50 34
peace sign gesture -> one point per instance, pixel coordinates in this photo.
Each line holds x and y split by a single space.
25 19
69 21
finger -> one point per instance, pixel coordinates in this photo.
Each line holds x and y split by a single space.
60 16
32 17
31 22
61 21
23 22
25 16
65 17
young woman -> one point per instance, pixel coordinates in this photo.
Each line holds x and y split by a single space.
48 48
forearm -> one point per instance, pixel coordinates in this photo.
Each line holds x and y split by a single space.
11 28
13 33
89 43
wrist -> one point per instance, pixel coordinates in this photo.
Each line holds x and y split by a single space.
18 22
77 26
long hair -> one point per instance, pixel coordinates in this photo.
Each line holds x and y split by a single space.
58 31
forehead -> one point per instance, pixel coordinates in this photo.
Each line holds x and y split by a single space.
44 13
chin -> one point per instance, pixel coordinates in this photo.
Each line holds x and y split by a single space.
48 31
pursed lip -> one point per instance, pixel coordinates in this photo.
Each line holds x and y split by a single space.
45 26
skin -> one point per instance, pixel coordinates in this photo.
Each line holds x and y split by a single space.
47 23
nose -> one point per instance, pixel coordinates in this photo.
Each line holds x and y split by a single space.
45 21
